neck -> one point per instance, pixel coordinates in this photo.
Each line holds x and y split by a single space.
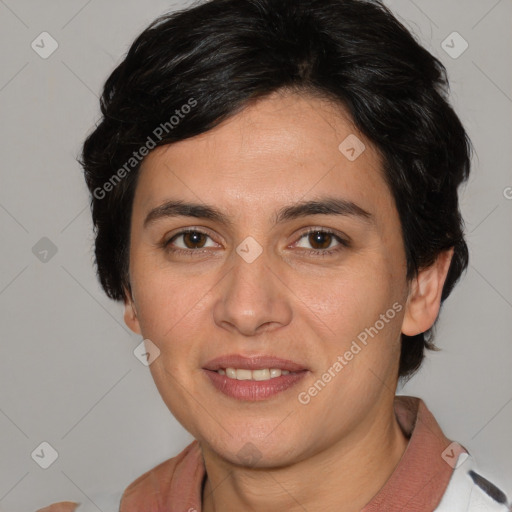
344 477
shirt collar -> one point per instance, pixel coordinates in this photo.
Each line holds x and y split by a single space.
420 478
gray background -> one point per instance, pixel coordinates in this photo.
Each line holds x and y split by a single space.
68 375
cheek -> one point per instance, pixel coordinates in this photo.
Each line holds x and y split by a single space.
171 315
351 299
167 301
359 314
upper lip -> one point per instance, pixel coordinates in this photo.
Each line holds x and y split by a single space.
252 363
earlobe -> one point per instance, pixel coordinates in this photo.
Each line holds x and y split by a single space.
130 315
424 298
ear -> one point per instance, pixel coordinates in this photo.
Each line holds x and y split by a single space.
424 298
130 313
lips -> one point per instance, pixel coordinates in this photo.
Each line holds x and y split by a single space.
252 363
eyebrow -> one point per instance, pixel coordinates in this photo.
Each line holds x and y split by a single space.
321 206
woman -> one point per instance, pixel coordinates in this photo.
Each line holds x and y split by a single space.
274 190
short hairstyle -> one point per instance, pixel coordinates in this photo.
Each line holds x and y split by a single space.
216 57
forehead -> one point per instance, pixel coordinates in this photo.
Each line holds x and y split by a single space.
283 148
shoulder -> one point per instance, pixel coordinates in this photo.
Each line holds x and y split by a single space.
470 491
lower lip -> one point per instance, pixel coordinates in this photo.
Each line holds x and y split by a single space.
253 390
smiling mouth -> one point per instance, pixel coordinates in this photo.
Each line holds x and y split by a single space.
253 377
257 375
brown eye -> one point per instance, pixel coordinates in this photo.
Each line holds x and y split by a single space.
321 242
189 240
194 239
320 239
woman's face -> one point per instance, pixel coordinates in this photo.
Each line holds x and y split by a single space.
253 282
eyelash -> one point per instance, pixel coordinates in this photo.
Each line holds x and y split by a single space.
343 243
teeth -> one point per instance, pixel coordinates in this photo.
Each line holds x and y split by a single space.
261 374
243 374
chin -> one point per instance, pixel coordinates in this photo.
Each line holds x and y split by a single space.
256 451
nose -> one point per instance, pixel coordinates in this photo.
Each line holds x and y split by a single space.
252 298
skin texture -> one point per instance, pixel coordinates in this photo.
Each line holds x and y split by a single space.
338 450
